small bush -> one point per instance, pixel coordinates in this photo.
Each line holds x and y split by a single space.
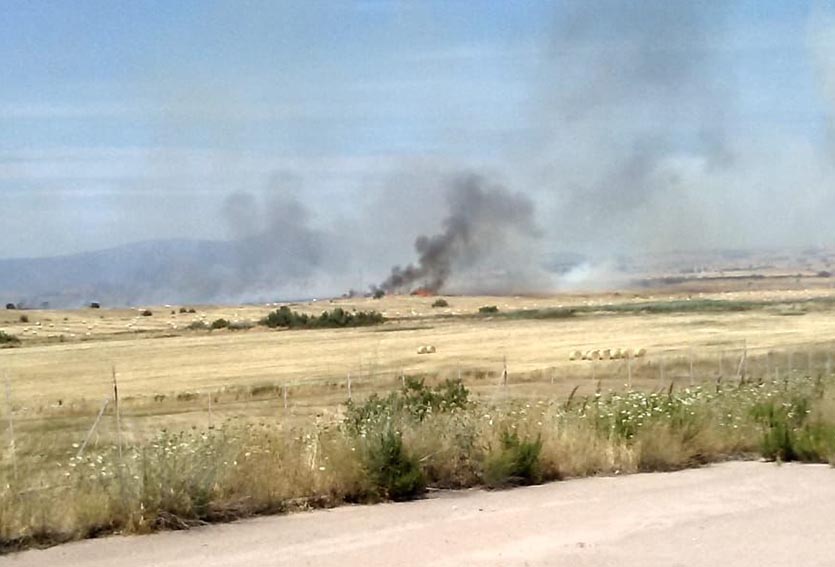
488 309
197 326
263 389
192 310
378 294
147 313
240 326
11 306
219 324
95 305
24 318
440 303
396 474
6 339
414 401
284 317
183 310
789 434
514 462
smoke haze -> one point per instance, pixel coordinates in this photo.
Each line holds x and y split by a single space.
482 219
467 150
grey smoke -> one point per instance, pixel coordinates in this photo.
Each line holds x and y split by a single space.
482 218
635 107
274 241
644 145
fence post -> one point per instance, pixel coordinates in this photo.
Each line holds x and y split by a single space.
629 371
744 359
12 444
93 428
504 372
349 385
690 360
118 416
210 410
284 394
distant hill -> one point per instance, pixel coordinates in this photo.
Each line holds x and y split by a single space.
159 271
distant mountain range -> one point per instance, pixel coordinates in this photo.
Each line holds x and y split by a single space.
159 271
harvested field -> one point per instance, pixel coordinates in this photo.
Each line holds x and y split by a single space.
298 381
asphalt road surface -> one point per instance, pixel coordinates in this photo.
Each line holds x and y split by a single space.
741 514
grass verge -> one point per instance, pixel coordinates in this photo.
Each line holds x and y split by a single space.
394 447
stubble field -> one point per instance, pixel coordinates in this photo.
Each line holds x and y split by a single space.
172 380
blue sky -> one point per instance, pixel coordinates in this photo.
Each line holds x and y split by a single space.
125 121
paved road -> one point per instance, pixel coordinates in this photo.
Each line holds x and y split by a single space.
741 514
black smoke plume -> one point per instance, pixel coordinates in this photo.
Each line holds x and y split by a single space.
482 217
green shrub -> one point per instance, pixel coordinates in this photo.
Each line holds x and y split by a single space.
183 310
146 313
284 317
414 401
487 309
239 326
395 474
440 302
378 294
219 324
24 318
197 326
514 462
7 339
789 434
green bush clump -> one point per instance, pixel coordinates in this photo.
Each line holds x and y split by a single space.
197 326
487 309
790 435
514 462
24 318
219 324
7 339
414 400
284 317
146 313
440 302
395 474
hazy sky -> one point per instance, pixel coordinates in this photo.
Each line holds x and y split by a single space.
127 121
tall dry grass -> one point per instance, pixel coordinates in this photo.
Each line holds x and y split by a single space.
393 447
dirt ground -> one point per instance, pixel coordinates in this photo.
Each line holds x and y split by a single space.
742 514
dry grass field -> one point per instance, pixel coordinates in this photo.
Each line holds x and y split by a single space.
69 355
177 379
